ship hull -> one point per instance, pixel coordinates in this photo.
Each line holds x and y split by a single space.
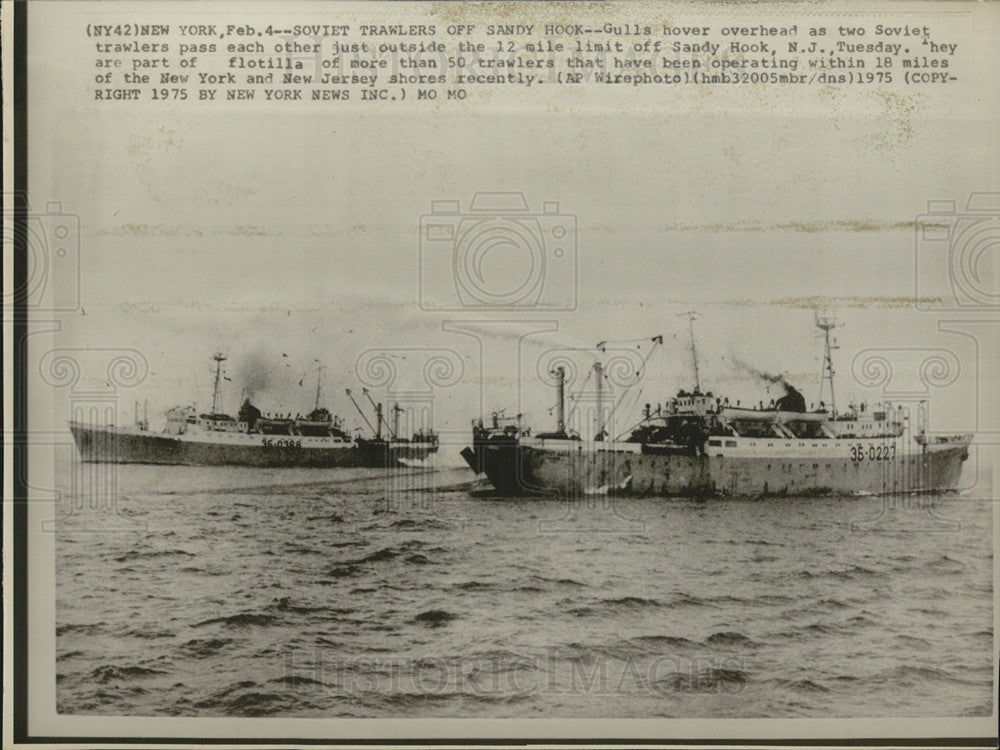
574 470
111 445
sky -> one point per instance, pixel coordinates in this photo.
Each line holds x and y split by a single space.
291 235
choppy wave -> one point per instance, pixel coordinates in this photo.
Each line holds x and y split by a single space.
435 617
729 638
709 680
614 606
113 673
284 594
242 620
152 554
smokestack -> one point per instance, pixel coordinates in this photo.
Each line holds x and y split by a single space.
599 431
560 373
791 401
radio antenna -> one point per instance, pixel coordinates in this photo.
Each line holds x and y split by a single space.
219 358
827 323
319 379
691 315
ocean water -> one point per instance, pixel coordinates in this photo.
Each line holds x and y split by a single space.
323 593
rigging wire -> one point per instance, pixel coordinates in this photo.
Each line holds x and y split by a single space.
638 396
602 346
638 372
655 339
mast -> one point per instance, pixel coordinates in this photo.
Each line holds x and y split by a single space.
396 410
560 373
319 378
599 431
219 358
378 415
826 324
691 315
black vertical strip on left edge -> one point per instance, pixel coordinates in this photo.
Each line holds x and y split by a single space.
19 342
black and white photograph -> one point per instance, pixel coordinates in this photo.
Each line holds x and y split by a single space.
501 373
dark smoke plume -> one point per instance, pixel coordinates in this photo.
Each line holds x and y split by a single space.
760 374
791 401
258 373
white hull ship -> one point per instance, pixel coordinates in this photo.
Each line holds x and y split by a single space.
252 439
698 445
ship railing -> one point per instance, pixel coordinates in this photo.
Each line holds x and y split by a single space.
568 445
783 432
827 432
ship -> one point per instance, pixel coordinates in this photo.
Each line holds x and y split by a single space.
699 445
253 438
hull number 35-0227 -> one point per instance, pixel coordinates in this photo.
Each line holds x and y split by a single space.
873 452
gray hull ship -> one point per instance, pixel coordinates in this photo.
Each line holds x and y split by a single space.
698 445
251 439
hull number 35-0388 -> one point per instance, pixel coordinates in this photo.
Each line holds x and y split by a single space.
282 443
